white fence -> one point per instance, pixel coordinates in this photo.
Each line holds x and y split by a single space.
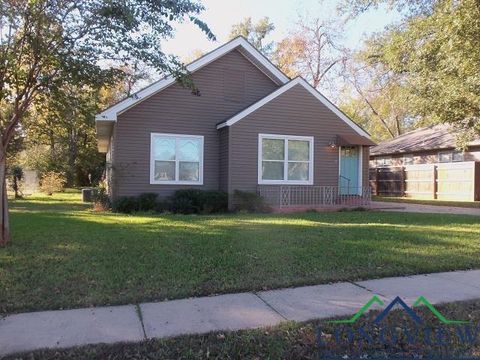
306 195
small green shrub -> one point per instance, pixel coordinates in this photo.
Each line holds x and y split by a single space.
214 202
191 201
125 204
187 201
250 202
163 206
147 201
52 182
101 200
16 174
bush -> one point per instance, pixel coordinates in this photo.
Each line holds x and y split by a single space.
101 200
191 201
16 174
125 204
214 202
188 201
52 182
249 201
147 201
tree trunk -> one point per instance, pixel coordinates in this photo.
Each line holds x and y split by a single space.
4 223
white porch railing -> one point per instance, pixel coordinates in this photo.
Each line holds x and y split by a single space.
306 195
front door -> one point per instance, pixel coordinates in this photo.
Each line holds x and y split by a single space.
349 170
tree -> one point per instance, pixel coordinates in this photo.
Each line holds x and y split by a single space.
408 7
45 44
376 98
255 33
63 122
437 61
312 51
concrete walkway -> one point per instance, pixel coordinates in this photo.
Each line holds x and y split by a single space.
65 328
419 208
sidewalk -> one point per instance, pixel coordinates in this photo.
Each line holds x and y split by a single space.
419 208
65 328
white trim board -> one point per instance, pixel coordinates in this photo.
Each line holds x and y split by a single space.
111 113
285 88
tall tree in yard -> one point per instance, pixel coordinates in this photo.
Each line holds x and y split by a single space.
256 33
312 51
47 43
435 57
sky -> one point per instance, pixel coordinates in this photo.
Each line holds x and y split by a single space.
220 15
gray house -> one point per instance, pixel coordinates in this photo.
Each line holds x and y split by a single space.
251 129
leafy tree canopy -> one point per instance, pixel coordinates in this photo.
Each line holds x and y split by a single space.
437 58
255 33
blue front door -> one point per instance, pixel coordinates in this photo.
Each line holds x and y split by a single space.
349 170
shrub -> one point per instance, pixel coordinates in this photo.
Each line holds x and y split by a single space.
191 201
125 204
147 201
52 182
187 201
163 206
214 202
249 201
101 200
16 174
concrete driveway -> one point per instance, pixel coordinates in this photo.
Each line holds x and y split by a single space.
417 208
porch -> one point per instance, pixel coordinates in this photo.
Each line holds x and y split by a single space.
304 197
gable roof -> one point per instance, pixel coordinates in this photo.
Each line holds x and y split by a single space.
240 43
297 81
429 138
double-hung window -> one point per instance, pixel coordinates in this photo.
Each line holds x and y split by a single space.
176 159
284 159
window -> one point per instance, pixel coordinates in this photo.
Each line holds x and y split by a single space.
457 156
450 156
384 161
176 159
407 159
285 159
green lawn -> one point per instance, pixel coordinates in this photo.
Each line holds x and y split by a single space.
63 255
467 204
292 341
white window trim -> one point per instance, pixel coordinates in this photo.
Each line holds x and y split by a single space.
175 182
383 160
405 156
451 154
285 161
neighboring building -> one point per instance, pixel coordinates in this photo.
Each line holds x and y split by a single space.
425 163
250 128
433 144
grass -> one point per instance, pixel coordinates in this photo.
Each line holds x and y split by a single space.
63 255
465 204
291 341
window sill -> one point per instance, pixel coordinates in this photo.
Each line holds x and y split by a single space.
282 182
176 183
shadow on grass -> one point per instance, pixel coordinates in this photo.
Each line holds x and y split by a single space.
69 259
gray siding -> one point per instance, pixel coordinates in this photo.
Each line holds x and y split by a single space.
296 112
175 110
224 158
426 156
